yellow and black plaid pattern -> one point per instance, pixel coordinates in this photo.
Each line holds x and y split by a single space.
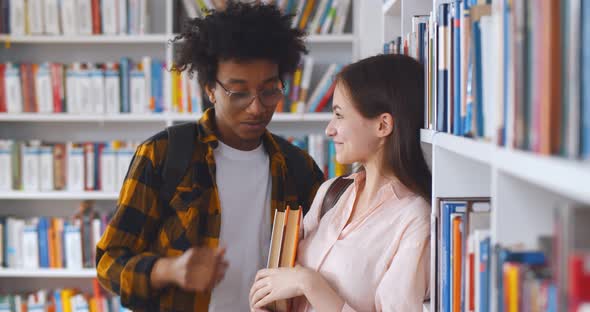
144 229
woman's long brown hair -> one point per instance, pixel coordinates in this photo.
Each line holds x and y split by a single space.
394 84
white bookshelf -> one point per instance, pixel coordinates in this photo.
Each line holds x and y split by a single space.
47 273
525 188
63 127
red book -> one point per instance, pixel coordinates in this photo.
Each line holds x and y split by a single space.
96 21
579 281
2 88
55 92
326 98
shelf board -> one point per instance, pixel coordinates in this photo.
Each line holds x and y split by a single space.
344 38
63 39
65 117
392 8
478 150
48 273
156 117
58 195
563 176
426 135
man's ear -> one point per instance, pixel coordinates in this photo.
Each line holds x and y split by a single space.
210 93
385 125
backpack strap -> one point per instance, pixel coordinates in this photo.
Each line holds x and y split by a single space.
181 144
334 192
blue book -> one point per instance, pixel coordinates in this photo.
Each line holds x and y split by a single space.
457 69
448 208
57 298
324 15
478 83
125 67
43 242
331 159
506 66
585 109
484 275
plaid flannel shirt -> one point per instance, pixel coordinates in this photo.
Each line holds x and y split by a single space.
144 229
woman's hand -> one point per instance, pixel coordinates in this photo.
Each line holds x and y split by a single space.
276 284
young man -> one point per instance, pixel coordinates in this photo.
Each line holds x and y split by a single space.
166 256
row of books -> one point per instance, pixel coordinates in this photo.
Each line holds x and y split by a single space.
62 300
74 17
554 278
140 87
44 242
313 16
533 99
323 152
46 166
462 227
298 98
101 166
87 88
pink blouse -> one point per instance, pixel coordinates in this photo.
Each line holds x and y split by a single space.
379 262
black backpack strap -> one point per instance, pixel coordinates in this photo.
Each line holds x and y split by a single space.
334 192
181 144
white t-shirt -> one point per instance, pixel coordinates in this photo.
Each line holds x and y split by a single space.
244 184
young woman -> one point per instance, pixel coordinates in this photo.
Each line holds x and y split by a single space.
371 251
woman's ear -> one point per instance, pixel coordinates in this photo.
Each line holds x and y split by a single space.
385 125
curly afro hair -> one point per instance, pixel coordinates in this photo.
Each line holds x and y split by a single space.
240 32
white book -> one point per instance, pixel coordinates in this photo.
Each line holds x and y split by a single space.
71 88
89 166
43 89
317 150
83 93
5 165
31 164
319 12
108 169
109 16
17 17
122 23
96 234
14 242
97 88
195 91
51 16
137 87
479 236
184 91
112 89
75 170
143 17
31 245
12 83
73 246
46 167
69 13
341 17
146 63
305 83
167 90
79 303
84 11
124 156
35 18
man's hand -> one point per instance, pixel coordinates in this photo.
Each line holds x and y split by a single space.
199 268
